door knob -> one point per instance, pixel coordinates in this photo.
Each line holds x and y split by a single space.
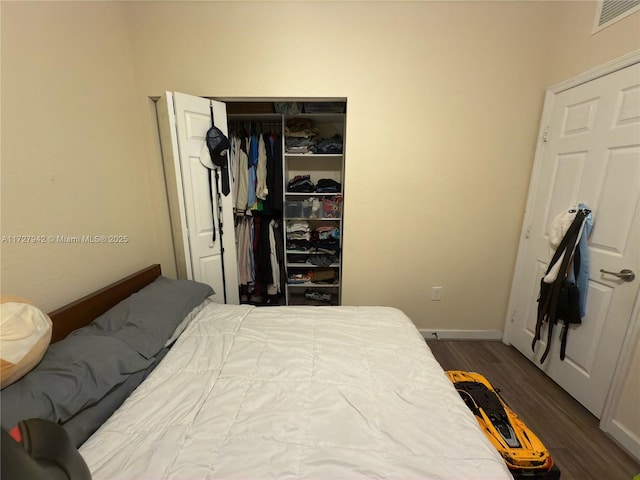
625 275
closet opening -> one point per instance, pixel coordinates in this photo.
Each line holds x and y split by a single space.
286 201
300 220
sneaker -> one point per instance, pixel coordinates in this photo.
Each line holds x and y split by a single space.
322 297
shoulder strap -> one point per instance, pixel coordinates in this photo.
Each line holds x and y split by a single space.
565 327
555 292
571 233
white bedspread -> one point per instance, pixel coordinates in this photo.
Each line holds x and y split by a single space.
291 393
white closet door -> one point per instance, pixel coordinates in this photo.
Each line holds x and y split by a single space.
209 258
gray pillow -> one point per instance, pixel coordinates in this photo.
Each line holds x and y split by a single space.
84 423
148 318
74 373
78 371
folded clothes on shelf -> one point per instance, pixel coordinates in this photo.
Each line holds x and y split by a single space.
328 185
297 258
323 260
298 231
297 278
328 146
300 135
327 231
301 184
300 127
299 144
298 245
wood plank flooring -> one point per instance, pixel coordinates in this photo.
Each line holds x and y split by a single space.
579 448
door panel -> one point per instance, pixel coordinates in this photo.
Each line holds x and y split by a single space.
202 216
582 354
615 211
208 260
211 269
627 112
592 155
579 118
193 119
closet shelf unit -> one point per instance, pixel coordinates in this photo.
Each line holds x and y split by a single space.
321 211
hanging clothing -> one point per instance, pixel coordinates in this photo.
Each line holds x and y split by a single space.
261 170
559 299
275 178
557 230
583 277
258 193
262 252
246 265
274 287
234 155
280 252
242 175
256 174
253 161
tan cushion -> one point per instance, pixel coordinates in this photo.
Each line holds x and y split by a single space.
25 333
6 298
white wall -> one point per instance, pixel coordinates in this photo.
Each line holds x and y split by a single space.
444 102
576 50
74 153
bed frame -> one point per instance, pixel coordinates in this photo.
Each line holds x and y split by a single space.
83 311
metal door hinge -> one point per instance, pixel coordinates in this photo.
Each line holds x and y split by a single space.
545 134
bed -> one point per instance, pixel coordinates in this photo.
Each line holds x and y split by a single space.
243 392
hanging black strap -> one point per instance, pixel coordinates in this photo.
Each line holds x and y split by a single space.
547 289
549 337
213 216
213 223
224 277
557 286
563 340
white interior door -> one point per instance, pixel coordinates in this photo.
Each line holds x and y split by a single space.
591 155
209 255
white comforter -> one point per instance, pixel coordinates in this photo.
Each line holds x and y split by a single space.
291 393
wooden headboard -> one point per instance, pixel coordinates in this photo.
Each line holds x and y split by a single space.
84 310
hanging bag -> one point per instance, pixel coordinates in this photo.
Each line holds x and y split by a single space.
560 300
214 156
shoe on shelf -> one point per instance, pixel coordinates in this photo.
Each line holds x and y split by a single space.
315 295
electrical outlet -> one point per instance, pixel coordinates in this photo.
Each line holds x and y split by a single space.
436 293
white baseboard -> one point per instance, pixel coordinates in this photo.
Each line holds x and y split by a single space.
625 438
448 334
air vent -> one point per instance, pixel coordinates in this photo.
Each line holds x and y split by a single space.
610 11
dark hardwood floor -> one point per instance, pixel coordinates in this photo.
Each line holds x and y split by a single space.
579 448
